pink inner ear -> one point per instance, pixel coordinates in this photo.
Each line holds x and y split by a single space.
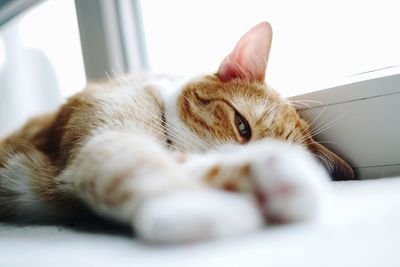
249 58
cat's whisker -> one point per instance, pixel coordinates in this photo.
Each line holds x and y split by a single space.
318 126
117 72
172 121
301 134
317 117
293 103
108 76
330 124
281 103
325 121
177 134
182 134
265 104
324 142
304 102
186 134
159 123
205 145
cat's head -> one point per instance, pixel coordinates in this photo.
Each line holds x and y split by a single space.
236 106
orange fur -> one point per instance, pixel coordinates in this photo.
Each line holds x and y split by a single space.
208 107
110 146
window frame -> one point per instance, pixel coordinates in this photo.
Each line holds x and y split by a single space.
12 8
364 113
115 29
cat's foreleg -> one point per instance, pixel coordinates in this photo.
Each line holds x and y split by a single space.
286 180
134 180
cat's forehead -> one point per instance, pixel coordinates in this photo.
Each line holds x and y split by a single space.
256 100
252 99
239 92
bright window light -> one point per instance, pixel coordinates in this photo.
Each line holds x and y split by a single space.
315 42
52 29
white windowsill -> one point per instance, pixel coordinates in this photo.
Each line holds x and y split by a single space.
361 114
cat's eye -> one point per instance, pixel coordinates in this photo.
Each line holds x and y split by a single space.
242 127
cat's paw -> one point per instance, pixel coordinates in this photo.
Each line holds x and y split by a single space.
186 216
289 184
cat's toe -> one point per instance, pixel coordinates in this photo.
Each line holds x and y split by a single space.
290 185
192 216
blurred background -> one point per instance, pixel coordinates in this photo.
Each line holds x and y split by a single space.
50 49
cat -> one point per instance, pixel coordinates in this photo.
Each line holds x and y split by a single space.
178 159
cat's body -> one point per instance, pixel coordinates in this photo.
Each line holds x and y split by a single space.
165 154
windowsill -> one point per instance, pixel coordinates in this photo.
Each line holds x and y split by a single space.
358 119
359 86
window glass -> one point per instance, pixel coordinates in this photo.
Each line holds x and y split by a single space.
40 62
52 28
315 42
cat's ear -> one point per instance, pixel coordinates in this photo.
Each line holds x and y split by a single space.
336 166
249 58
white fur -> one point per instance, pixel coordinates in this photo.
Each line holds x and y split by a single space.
170 90
17 178
179 215
294 184
170 203
274 166
196 215
107 155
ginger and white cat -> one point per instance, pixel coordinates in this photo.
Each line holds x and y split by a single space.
177 159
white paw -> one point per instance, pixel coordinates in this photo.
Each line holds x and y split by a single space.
186 216
290 185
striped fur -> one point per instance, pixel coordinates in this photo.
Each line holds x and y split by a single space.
138 149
